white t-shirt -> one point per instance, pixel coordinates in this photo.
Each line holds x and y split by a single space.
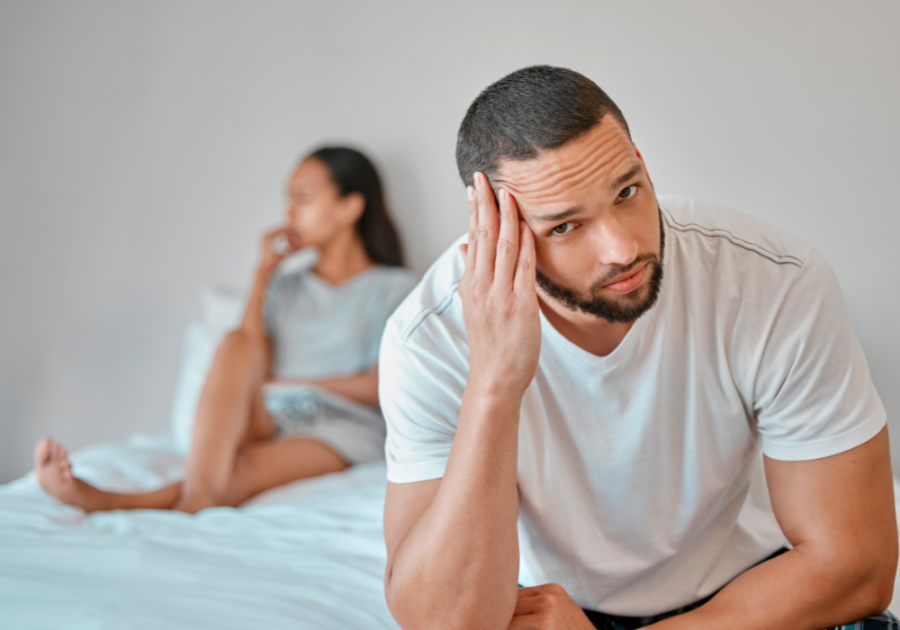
634 468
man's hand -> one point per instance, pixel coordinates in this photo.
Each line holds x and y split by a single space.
500 304
452 544
548 607
277 245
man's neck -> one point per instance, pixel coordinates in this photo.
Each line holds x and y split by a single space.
591 334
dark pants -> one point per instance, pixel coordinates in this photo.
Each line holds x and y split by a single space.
884 621
602 621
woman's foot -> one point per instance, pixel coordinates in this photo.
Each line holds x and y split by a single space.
54 473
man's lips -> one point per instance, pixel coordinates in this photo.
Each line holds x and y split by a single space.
629 282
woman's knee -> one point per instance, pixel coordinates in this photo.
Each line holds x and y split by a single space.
242 346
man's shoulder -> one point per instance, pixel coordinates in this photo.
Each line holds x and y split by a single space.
433 302
719 227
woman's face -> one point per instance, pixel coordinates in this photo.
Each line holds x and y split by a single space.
315 209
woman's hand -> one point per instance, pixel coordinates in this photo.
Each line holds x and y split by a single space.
277 245
498 293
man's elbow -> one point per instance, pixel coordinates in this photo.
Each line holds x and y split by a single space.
882 588
416 607
875 589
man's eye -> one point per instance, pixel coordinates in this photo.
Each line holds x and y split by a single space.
628 193
562 229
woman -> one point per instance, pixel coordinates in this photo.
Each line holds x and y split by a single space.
316 330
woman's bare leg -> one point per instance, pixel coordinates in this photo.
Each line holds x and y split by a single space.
230 413
260 466
54 473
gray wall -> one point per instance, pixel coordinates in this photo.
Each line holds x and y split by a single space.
143 146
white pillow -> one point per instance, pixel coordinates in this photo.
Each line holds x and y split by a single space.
222 310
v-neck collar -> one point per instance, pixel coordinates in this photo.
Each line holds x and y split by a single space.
325 284
608 362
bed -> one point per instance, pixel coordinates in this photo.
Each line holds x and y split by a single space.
306 555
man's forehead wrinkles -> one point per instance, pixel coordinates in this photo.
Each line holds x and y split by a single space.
565 180
571 162
540 180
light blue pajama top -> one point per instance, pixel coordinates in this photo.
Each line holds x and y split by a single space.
319 330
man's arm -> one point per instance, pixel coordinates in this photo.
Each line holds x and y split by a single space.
838 513
452 543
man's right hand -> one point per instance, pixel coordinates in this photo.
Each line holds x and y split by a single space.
498 294
452 544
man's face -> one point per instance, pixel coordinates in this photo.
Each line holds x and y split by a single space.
596 223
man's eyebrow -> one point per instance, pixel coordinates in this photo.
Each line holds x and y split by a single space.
620 181
556 216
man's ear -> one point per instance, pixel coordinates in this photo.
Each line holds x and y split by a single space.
640 157
352 206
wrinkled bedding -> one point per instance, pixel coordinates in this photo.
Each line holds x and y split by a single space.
306 555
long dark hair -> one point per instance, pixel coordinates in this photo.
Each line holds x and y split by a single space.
353 172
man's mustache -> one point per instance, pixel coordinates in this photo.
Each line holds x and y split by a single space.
618 270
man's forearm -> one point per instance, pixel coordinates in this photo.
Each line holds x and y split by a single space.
799 589
458 565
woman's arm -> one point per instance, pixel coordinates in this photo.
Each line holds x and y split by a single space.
254 322
361 388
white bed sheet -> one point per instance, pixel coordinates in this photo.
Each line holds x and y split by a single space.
306 555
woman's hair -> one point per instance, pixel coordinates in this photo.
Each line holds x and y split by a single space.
353 172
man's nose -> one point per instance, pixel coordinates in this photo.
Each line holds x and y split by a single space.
615 244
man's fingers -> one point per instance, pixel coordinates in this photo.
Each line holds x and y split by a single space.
530 591
472 245
525 267
508 242
526 605
486 232
528 622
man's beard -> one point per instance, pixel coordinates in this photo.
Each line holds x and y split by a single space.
629 306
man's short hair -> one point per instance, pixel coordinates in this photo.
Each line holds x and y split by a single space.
530 110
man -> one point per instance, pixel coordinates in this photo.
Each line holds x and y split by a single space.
576 401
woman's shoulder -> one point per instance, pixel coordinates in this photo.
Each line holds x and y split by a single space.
395 277
389 285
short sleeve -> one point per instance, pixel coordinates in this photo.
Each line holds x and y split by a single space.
422 375
814 396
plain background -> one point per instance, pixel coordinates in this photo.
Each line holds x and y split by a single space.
144 146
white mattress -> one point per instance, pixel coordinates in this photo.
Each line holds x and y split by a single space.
307 555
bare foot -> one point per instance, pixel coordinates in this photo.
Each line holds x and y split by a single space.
54 473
